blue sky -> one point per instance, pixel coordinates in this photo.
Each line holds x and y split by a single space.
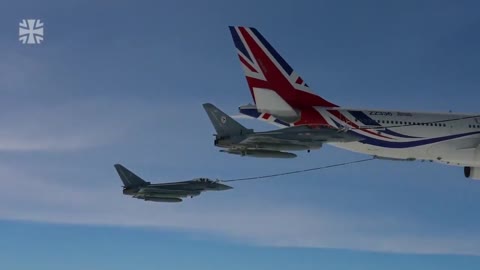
121 81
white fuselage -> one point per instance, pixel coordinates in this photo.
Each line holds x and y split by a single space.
448 138
442 137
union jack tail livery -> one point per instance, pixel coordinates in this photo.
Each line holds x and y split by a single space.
274 85
283 98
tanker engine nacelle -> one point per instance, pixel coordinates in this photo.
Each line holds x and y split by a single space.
472 172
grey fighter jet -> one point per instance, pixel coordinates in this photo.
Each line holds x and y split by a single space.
238 140
164 192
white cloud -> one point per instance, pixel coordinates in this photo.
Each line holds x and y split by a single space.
70 125
274 223
85 123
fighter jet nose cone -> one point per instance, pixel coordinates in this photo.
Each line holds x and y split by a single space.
224 187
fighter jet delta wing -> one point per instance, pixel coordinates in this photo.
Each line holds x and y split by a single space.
239 140
165 192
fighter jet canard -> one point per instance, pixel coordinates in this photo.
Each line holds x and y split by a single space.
238 140
165 192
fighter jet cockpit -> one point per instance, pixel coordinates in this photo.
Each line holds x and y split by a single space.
203 180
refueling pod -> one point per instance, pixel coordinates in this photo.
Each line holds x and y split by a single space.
472 172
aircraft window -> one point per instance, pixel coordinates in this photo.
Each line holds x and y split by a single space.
469 126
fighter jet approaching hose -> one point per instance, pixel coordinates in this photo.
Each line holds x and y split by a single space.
165 192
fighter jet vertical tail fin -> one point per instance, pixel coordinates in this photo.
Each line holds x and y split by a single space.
224 124
128 178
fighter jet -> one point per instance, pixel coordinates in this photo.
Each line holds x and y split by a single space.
238 140
164 192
